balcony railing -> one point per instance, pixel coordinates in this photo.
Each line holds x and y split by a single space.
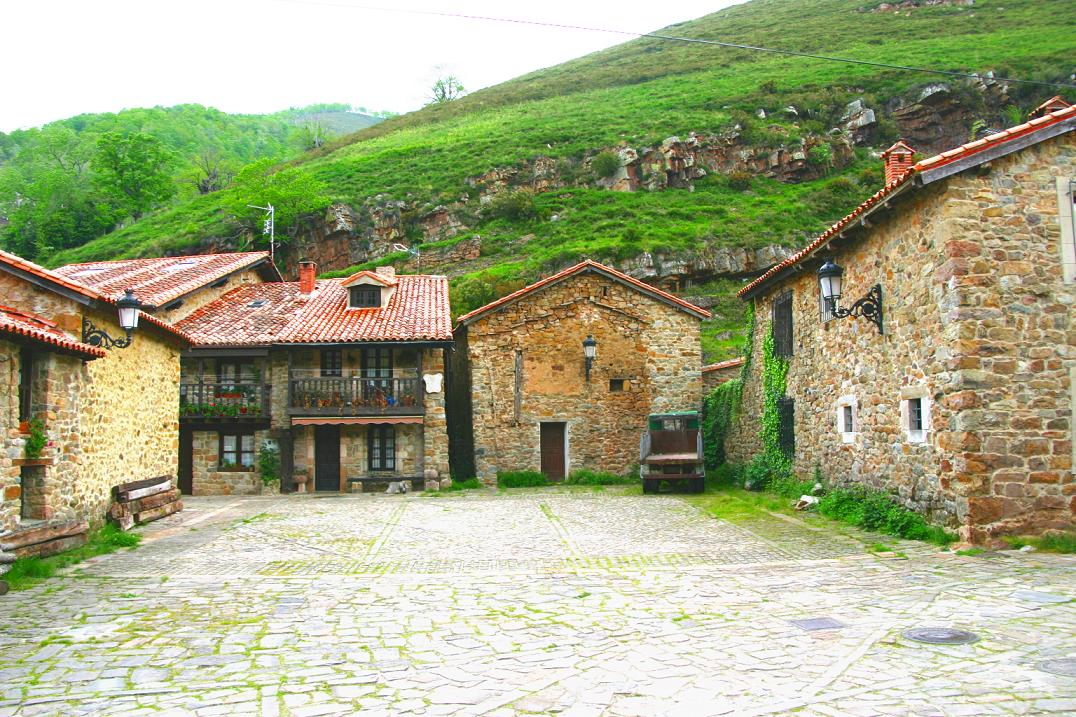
224 400
355 396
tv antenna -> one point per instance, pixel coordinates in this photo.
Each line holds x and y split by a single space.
411 250
269 227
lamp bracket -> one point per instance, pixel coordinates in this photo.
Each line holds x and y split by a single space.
869 308
99 337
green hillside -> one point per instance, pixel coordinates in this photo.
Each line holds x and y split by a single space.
637 94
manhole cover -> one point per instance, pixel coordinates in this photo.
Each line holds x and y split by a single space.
941 636
1063 666
818 623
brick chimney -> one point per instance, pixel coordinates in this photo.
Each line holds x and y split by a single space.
898 159
308 270
387 271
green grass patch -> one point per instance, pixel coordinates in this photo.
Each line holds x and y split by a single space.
27 572
469 484
521 479
1051 542
589 477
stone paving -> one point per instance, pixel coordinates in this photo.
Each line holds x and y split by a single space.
582 604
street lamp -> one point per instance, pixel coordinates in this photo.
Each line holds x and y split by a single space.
590 351
128 307
830 280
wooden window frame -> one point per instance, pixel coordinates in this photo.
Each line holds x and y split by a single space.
782 324
238 465
364 296
333 368
618 385
382 438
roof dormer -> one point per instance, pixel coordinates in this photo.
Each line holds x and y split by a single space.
369 290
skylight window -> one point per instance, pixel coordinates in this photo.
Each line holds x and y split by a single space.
257 303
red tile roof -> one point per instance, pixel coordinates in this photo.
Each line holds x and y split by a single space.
157 281
277 313
62 282
731 363
41 330
367 274
962 152
581 267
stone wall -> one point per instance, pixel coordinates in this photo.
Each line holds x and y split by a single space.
650 349
109 421
210 480
435 425
12 449
977 324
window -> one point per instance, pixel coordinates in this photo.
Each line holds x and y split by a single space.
364 297
846 416
381 448
26 385
236 372
915 413
786 431
616 384
1066 216
332 362
782 325
236 451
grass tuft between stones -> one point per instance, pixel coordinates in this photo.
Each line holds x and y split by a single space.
27 572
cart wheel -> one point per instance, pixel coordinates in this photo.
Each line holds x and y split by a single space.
698 485
650 486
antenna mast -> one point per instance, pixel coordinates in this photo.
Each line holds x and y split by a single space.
269 227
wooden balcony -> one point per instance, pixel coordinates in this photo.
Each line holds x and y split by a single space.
224 402
355 396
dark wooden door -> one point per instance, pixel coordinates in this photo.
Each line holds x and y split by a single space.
327 458
186 461
553 435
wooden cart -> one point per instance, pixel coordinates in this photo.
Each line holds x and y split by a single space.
670 453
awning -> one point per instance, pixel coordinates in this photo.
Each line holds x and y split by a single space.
352 420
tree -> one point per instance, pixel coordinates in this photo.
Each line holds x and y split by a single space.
313 133
210 173
133 171
292 192
445 89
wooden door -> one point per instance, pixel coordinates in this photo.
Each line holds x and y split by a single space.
327 458
553 450
186 461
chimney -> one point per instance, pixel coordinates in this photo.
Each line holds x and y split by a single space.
387 271
307 271
898 160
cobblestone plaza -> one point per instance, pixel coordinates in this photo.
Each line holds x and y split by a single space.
550 601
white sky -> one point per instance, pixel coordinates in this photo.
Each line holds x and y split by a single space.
65 57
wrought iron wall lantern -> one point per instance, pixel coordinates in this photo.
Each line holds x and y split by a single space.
590 351
869 307
128 308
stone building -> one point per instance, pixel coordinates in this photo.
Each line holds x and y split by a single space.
715 374
344 377
107 412
534 404
960 400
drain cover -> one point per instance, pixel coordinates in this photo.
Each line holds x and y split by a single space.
818 623
1063 666
941 636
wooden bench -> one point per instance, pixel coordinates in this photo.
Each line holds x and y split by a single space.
417 482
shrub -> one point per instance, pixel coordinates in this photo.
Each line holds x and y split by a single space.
588 477
514 206
740 180
269 463
726 474
819 155
764 470
605 165
469 484
37 440
877 511
521 479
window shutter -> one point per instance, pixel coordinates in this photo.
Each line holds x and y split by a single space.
786 436
782 325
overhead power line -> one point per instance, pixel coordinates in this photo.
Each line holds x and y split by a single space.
675 38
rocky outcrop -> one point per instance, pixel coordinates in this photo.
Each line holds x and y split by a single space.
709 262
916 4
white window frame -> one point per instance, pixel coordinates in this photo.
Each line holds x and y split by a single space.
908 393
842 403
1066 217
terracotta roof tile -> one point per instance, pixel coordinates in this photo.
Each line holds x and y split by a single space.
40 330
277 313
939 160
61 281
157 281
582 266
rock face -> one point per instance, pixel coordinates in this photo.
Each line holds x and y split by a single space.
978 337
915 4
